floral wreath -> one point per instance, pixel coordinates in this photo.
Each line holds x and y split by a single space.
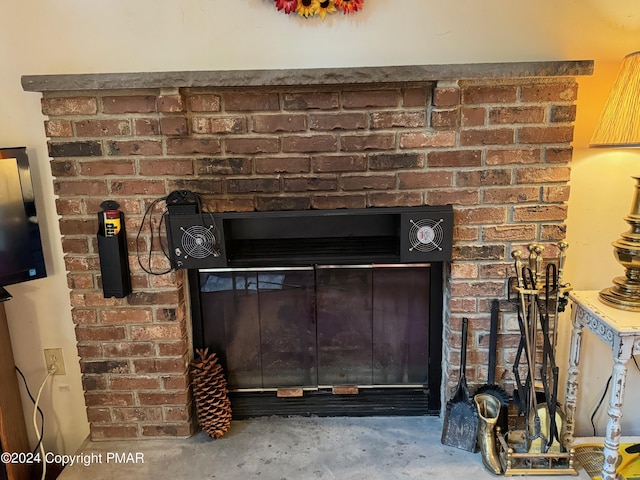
309 8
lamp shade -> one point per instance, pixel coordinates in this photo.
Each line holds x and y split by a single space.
619 124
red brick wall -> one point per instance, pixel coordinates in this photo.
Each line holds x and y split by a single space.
498 150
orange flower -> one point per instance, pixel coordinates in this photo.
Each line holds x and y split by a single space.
287 5
349 6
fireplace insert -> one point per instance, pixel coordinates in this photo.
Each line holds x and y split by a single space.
327 312
309 237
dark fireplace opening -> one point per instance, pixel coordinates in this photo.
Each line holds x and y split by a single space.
298 334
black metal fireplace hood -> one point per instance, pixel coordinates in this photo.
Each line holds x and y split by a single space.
311 237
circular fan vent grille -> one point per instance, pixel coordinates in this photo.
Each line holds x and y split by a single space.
426 235
198 241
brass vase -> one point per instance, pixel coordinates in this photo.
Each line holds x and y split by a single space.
488 412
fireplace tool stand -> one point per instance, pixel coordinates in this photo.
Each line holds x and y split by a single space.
537 448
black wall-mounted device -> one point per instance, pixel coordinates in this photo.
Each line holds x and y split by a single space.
193 235
112 248
200 240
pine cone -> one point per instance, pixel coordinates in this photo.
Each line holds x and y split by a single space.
210 392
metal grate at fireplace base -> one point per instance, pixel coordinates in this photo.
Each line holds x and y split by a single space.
323 403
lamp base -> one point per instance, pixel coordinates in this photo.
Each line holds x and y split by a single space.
623 295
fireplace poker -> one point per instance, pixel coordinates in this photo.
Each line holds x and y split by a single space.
549 369
557 289
520 394
548 358
562 246
525 290
535 281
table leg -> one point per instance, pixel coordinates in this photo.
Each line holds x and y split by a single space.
572 378
613 431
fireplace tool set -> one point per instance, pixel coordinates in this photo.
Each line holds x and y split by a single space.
540 295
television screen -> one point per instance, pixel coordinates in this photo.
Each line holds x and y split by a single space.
21 257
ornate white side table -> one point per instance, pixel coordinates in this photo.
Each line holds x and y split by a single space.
620 330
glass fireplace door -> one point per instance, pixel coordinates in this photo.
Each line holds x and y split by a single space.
344 306
319 327
373 325
262 325
400 325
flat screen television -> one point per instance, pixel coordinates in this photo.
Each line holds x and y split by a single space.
21 256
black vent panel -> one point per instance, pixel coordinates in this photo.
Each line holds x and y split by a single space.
312 251
324 237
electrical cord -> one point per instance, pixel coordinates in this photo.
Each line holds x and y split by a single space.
149 213
33 400
604 395
50 373
593 416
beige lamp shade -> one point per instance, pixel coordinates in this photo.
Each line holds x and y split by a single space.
619 124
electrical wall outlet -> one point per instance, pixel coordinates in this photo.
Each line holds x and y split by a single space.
53 356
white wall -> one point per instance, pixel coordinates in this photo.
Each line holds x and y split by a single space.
78 36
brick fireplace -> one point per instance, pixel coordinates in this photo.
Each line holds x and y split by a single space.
493 140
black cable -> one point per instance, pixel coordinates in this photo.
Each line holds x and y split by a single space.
149 212
26 386
603 396
215 249
599 405
161 223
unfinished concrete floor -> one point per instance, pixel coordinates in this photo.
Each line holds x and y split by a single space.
295 448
